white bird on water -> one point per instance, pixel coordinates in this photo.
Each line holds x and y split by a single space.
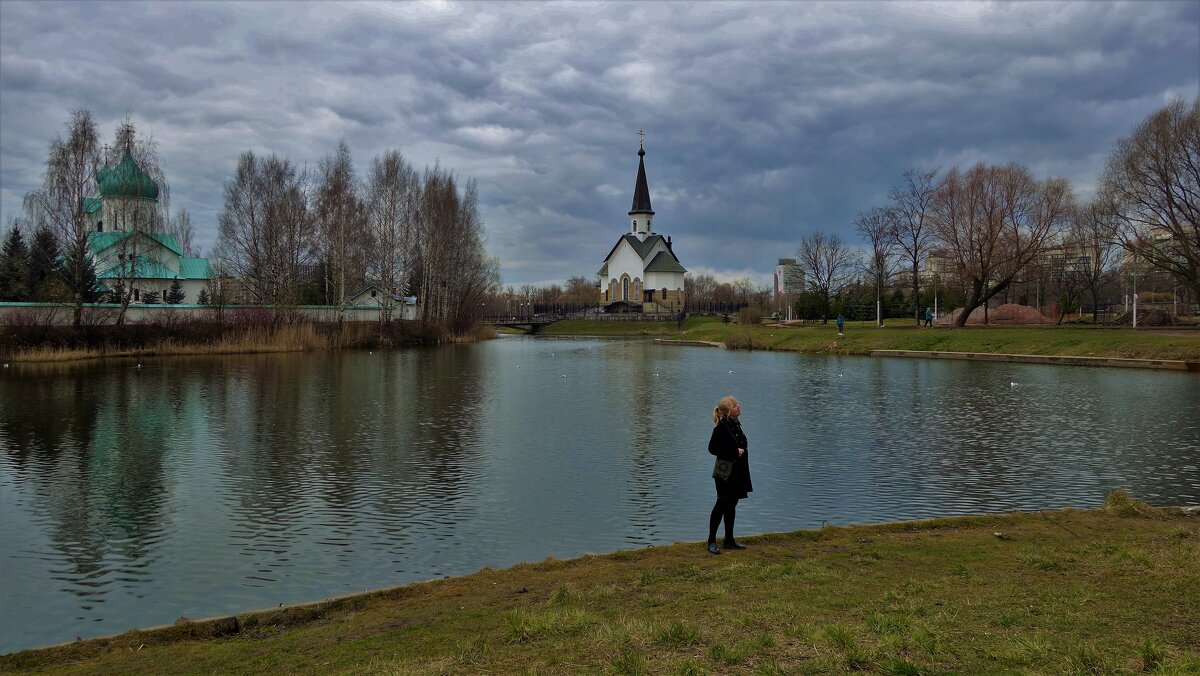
731 370
1012 385
564 375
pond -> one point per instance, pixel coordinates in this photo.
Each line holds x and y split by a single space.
190 487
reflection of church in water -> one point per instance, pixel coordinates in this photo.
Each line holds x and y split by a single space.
642 273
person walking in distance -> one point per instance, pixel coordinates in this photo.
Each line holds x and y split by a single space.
928 318
728 443
841 323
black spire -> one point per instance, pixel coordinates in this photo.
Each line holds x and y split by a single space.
641 193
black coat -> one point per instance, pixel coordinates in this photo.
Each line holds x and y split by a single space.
727 438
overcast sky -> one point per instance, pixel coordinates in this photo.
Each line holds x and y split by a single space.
763 121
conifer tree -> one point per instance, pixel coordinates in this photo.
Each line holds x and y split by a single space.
202 298
175 294
42 265
83 278
12 266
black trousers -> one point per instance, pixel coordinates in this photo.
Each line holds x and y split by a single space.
726 508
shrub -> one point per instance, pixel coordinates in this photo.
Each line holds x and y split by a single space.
749 316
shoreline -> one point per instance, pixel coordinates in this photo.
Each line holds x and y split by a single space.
451 604
1059 360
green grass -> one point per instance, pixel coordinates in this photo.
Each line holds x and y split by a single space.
862 337
1070 591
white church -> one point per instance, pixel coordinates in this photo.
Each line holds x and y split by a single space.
642 273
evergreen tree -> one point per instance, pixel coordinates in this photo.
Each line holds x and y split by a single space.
202 299
150 298
87 285
12 267
175 293
42 265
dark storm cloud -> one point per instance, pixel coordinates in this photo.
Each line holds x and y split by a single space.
763 121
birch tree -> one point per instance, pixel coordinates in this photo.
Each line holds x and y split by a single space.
130 209
265 229
70 179
180 225
392 202
342 224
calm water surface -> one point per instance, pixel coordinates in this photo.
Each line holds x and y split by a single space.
200 486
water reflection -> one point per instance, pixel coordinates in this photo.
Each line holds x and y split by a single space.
192 487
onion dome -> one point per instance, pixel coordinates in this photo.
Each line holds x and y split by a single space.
126 180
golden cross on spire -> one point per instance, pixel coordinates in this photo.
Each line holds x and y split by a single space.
641 139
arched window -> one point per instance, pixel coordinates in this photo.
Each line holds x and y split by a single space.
612 290
637 287
625 287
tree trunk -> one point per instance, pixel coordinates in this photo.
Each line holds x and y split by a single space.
77 321
916 287
972 303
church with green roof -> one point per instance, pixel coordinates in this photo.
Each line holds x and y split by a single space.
641 273
126 249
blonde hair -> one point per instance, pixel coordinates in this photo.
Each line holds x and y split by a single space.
723 408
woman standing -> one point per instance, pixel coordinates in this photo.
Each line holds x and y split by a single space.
728 442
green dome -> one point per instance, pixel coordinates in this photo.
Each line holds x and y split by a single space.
126 180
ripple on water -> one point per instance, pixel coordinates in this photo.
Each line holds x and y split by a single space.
215 486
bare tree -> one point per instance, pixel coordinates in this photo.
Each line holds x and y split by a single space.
994 221
699 288
1092 242
70 180
342 224
582 291
265 230
180 225
1153 180
457 275
392 204
912 228
827 262
878 226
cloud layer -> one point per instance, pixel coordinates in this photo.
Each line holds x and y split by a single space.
763 121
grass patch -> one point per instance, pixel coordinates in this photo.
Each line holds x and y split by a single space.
1119 502
861 339
794 602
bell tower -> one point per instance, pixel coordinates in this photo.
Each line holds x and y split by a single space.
641 216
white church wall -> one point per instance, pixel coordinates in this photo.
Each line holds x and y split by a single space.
625 261
664 280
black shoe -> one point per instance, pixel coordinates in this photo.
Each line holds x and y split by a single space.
733 544
712 548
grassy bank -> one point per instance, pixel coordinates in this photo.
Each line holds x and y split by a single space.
43 344
861 338
1054 592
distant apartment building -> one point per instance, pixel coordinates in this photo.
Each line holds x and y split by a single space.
789 279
